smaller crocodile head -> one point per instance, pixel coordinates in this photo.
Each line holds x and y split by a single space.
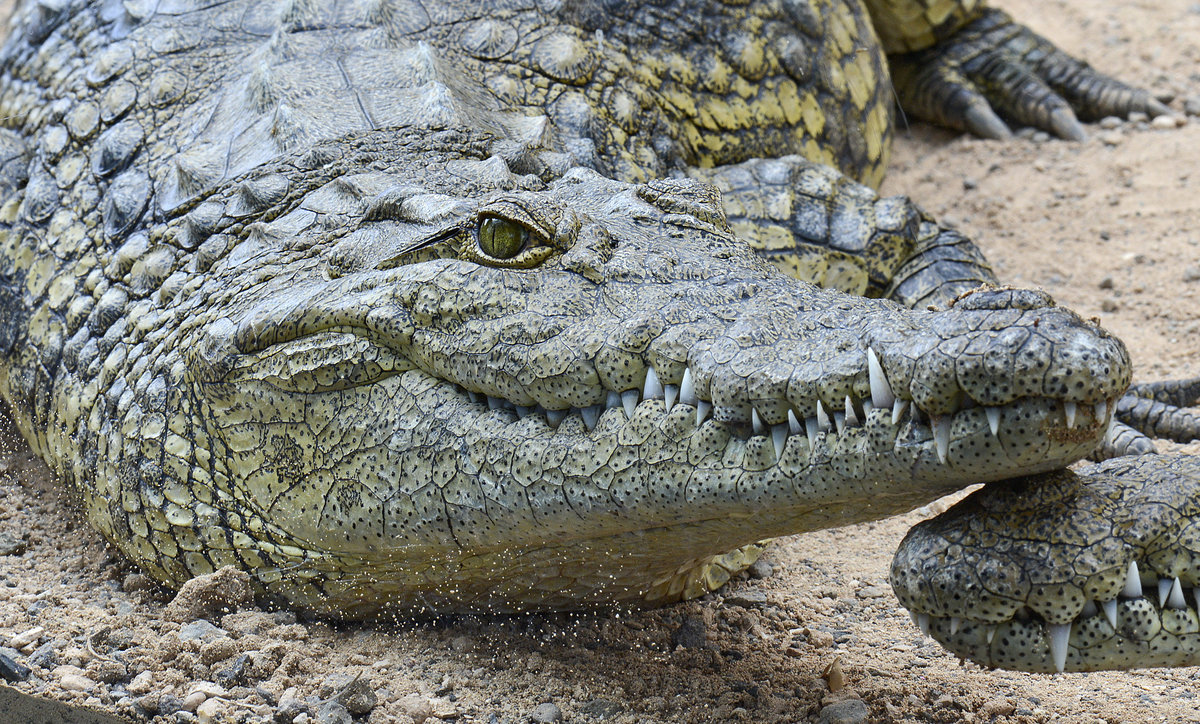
1064 572
423 371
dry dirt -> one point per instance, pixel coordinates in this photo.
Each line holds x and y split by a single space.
1110 227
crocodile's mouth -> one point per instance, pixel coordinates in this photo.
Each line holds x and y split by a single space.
949 438
1156 617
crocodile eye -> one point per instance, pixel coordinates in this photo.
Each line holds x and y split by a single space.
502 239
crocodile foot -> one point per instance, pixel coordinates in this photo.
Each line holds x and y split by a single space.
1152 410
1065 571
996 68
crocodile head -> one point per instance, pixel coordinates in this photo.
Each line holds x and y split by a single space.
394 383
1064 572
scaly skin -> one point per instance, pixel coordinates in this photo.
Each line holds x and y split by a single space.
1098 569
254 314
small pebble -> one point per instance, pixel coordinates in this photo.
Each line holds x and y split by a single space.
1111 138
1108 305
12 670
871 592
751 598
417 707
602 709
1138 117
211 711
1192 274
169 704
1165 122
192 701
11 545
1191 105
225 590
23 639
761 569
143 683
1106 283
1108 123
200 630
850 711
76 682
690 634
290 706
969 183
547 713
332 712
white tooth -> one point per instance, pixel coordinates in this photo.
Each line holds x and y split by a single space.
653 389
993 416
629 398
916 622
955 622
1089 610
1175 599
703 408
1164 590
555 417
495 403
522 411
881 391
1069 411
851 416
990 633
591 415
1110 612
614 400
687 388
1133 582
1101 410
756 422
898 408
923 623
475 397
670 394
1196 595
779 436
811 428
839 421
794 427
822 417
941 437
1060 637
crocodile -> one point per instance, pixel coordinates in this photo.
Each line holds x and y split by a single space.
403 306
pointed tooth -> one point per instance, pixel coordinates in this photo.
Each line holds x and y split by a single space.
1101 410
495 403
851 416
779 436
653 389
1110 612
993 418
670 394
1089 610
923 623
591 415
822 417
1196 595
898 409
794 426
522 411
756 422
941 437
955 622
839 421
614 400
881 391
555 417
811 428
913 616
1133 582
1164 590
703 408
1060 637
629 398
1175 597
475 396
1069 412
990 633
687 388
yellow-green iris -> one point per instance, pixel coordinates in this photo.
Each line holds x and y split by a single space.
502 239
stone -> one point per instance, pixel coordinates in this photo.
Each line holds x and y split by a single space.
547 713
761 569
200 630
11 545
417 707
27 637
751 598
223 591
332 712
211 711
1111 138
691 634
76 682
602 709
850 711
1191 105
143 683
12 670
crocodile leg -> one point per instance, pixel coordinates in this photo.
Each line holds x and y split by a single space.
995 65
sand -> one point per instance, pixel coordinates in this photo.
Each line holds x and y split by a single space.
1110 227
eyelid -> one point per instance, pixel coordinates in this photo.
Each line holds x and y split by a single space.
514 212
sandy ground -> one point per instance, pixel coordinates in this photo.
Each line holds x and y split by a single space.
1110 227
